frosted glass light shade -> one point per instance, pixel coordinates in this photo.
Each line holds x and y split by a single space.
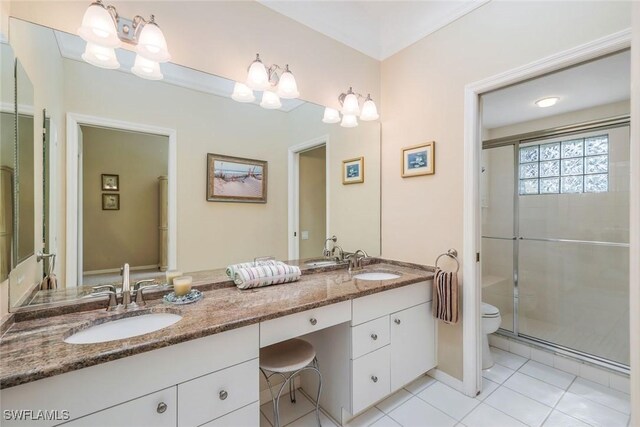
151 43
98 27
258 78
270 100
369 111
242 93
146 69
287 87
349 121
103 57
331 115
350 105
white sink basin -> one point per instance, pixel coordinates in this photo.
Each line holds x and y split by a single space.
123 328
376 275
321 263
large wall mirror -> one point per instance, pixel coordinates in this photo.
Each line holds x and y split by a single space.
174 174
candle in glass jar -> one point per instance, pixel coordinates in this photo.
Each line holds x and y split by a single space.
172 274
182 285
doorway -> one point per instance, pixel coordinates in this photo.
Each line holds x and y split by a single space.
308 198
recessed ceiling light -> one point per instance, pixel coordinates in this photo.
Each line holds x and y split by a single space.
547 102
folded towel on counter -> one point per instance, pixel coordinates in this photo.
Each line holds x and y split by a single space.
231 269
445 296
265 275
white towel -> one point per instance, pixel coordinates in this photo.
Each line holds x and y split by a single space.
265 275
231 269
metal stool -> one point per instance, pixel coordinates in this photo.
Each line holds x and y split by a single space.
287 359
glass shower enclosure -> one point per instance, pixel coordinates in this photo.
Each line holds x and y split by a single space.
555 239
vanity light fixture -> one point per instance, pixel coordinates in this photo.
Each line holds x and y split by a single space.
350 102
276 82
104 31
547 102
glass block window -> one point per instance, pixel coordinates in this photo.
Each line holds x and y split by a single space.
579 165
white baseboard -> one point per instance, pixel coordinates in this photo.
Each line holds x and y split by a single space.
447 379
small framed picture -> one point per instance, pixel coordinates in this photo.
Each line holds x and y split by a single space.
353 171
419 160
110 182
236 179
110 202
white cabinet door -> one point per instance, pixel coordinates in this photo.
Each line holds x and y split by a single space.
370 379
412 344
249 416
157 409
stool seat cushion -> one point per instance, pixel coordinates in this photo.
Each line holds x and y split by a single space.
287 356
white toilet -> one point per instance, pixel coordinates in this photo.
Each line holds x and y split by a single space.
490 323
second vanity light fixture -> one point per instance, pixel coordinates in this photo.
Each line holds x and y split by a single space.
275 82
104 31
350 102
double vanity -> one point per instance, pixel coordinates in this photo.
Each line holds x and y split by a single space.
372 329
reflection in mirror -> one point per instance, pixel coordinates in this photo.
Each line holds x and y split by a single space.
168 128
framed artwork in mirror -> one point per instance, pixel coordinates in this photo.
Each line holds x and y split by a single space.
110 202
236 179
110 182
353 171
419 160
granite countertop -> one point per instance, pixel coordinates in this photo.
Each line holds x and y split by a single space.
34 348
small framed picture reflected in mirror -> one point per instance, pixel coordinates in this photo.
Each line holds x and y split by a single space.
110 182
110 202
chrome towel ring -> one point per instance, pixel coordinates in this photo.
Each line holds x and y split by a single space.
453 254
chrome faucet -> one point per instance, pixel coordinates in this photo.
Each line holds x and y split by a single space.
355 259
340 256
327 252
126 287
110 291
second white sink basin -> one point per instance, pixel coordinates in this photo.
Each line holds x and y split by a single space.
376 275
123 328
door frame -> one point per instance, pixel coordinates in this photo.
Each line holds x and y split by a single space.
294 190
74 182
472 228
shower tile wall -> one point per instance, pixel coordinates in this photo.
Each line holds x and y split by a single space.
574 295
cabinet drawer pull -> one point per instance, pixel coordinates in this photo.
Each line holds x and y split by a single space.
397 321
313 321
374 336
374 378
161 407
223 394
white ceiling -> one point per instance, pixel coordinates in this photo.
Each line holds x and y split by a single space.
600 82
72 47
376 28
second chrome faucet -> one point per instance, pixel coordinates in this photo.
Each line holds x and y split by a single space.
131 297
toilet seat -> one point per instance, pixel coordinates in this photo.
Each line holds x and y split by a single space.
489 311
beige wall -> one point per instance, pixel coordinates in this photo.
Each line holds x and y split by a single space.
222 37
128 235
313 201
422 100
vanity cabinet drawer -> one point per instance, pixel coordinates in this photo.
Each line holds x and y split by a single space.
377 305
369 336
295 325
153 410
370 378
244 417
211 396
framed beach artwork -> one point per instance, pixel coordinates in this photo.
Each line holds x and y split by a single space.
419 160
234 179
110 182
353 171
110 202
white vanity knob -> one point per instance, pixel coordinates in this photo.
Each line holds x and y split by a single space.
374 336
161 407
223 394
374 378
397 321
313 321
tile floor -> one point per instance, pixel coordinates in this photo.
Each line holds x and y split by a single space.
516 392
